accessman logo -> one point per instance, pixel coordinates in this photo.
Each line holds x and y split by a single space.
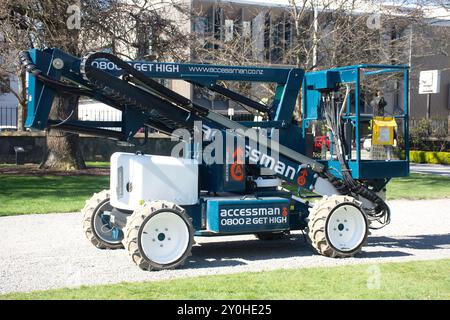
253 217
246 212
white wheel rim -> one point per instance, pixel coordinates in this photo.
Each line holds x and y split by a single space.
346 228
164 238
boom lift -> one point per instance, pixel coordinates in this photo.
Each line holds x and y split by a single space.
157 204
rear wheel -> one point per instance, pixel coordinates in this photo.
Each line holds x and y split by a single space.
159 236
97 225
338 226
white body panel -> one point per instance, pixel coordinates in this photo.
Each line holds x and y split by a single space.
267 183
324 187
137 178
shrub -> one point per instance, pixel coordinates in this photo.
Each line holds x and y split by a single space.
419 134
429 157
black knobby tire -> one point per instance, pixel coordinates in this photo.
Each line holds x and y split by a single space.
268 236
317 225
133 234
90 210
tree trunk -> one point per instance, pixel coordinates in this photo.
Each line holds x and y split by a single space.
22 99
63 152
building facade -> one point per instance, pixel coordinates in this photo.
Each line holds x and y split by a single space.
8 103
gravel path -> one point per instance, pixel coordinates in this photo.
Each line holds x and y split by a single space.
438 169
49 251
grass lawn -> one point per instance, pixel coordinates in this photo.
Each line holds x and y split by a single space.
410 280
419 186
99 164
46 194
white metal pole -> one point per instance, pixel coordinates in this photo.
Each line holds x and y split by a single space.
316 29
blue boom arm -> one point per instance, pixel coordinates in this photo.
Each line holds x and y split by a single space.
288 81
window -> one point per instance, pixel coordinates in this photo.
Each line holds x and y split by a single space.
246 29
200 26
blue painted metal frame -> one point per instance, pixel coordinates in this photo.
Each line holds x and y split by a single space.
315 83
40 97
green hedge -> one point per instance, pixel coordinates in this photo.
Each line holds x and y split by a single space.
429 157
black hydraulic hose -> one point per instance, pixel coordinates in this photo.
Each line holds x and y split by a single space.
58 86
107 97
348 185
29 66
80 129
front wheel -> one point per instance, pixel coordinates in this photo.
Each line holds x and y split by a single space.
96 222
159 236
338 226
